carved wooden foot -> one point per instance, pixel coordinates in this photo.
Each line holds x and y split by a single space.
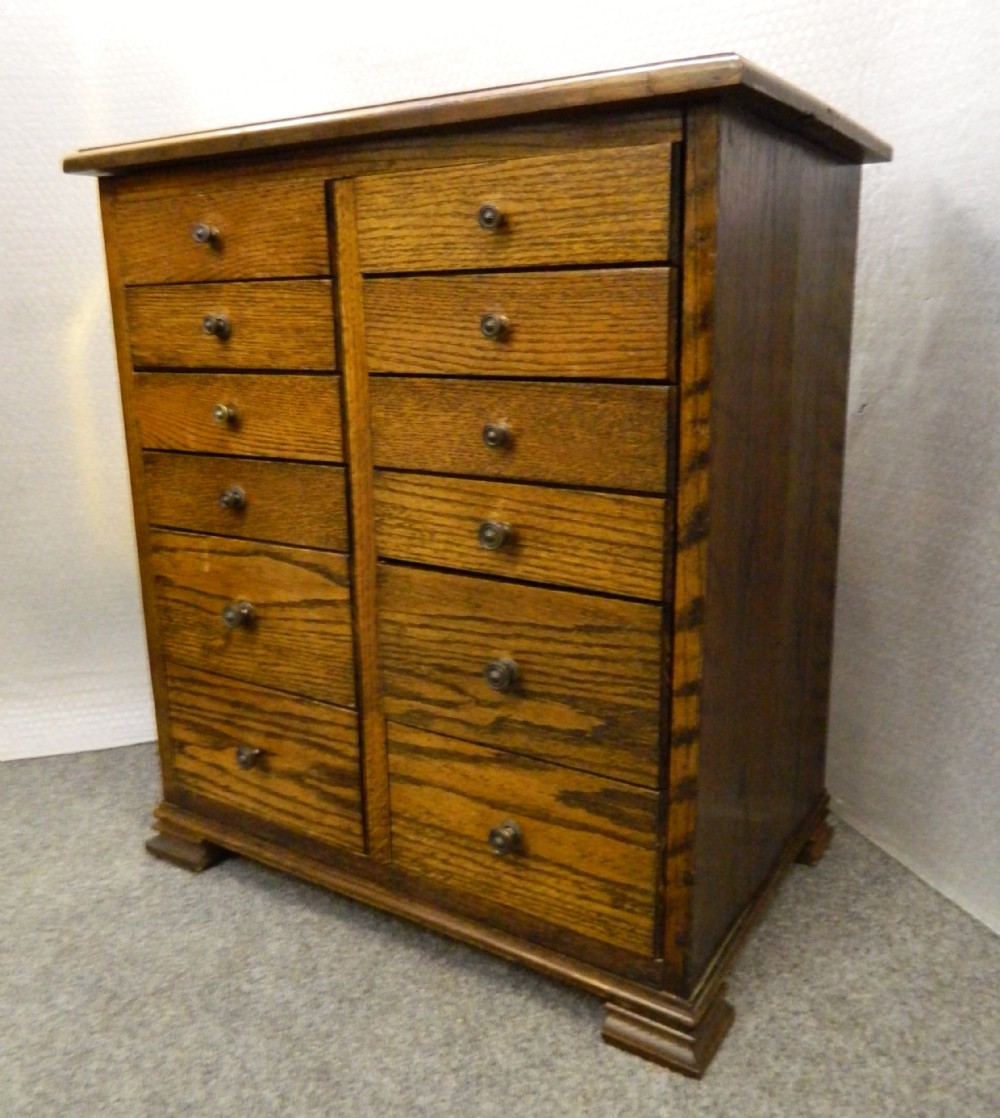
193 855
815 845
683 1042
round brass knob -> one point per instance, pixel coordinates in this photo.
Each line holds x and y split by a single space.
496 435
204 234
494 326
218 325
505 838
233 498
224 414
235 614
501 675
493 535
247 757
489 217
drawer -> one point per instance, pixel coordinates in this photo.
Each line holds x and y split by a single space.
306 775
285 324
605 436
585 852
289 416
299 638
588 669
601 206
287 502
615 324
595 541
260 224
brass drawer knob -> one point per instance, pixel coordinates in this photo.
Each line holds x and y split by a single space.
204 234
233 498
237 614
489 217
217 325
496 435
505 838
494 326
247 757
501 674
224 415
493 535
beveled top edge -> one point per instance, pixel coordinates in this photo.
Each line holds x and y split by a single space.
711 74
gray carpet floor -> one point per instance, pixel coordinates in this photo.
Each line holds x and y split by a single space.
131 988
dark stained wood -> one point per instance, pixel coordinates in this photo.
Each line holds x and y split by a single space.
563 433
702 77
301 638
288 416
286 324
567 537
306 777
687 1050
587 855
701 171
787 229
604 206
375 766
286 502
816 844
270 223
588 693
604 323
193 856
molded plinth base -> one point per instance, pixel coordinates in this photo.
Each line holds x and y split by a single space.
192 855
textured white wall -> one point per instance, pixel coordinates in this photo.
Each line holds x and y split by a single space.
913 751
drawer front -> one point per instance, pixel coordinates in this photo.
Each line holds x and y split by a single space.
602 206
587 692
594 541
614 324
272 416
605 436
585 855
281 501
285 324
306 774
299 639
258 225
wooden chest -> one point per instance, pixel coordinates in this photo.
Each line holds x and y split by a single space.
486 458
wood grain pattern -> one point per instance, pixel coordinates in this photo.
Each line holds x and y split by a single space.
289 416
592 207
281 324
375 766
571 434
588 693
286 502
588 855
301 638
307 775
719 74
605 323
270 224
592 541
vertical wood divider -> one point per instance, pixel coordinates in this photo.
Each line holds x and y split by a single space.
360 482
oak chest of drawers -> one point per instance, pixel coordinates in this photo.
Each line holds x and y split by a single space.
486 460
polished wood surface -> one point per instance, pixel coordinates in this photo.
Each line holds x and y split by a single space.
270 223
604 323
588 687
592 207
286 502
717 74
289 416
284 324
560 433
300 640
305 777
608 542
587 856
